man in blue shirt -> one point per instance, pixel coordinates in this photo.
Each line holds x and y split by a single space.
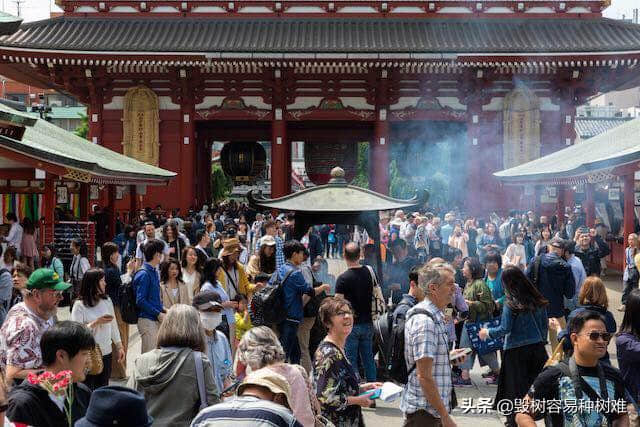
146 282
294 288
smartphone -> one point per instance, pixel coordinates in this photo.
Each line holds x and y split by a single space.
375 395
230 388
108 316
459 354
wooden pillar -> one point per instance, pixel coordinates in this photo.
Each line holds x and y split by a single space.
188 171
379 154
629 205
84 202
49 207
590 204
111 203
280 156
133 204
476 168
560 204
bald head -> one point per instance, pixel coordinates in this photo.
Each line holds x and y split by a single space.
352 252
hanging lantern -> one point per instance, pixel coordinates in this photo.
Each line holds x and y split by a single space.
243 161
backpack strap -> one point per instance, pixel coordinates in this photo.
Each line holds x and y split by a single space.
536 270
197 356
410 315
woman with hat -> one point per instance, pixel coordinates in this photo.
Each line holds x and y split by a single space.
265 260
116 406
232 275
211 284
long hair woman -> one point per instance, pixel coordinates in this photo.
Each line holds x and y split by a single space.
95 309
173 290
265 260
191 270
524 327
631 275
628 345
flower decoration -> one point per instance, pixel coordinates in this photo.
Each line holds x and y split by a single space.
58 385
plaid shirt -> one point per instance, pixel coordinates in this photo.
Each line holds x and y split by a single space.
426 338
279 252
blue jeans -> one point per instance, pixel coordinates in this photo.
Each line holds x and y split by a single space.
289 341
359 346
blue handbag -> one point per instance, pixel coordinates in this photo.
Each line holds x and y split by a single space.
490 344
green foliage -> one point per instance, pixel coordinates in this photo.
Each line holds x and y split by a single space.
362 172
400 187
83 129
221 184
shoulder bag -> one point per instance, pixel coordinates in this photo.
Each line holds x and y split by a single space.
378 307
197 356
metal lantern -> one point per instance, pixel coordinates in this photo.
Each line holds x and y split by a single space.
243 161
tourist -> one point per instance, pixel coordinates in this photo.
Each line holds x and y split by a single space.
396 281
589 338
255 232
211 284
628 345
260 348
26 322
426 400
553 277
264 261
481 304
48 259
472 245
79 264
173 289
243 257
356 286
64 347
310 313
490 241
20 276
524 327
191 271
493 279
113 278
515 255
203 242
262 400
271 229
94 308
579 275
172 238
115 405
337 381
630 276
166 376
294 287
149 233
232 275
217 345
458 240
592 297
28 248
9 258
544 241
148 295
6 291
14 238
588 253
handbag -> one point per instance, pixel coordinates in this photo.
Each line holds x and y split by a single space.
490 344
557 355
95 357
378 307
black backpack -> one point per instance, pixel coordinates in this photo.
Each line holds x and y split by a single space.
267 305
392 341
128 307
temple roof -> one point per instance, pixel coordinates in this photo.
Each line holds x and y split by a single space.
9 23
344 35
45 142
600 154
588 127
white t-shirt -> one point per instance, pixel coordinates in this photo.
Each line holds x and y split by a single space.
104 333
140 254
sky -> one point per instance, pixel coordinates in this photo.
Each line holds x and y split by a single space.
33 10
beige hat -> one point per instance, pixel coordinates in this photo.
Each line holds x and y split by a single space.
267 378
230 246
268 240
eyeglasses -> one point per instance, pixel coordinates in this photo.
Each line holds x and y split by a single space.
343 313
593 336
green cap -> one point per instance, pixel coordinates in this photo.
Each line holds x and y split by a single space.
45 278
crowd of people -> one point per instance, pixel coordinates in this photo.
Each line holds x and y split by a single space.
437 294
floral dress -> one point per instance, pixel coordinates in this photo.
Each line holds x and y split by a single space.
335 380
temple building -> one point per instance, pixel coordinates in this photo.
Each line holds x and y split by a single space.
466 88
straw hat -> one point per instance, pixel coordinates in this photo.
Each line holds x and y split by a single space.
230 246
267 378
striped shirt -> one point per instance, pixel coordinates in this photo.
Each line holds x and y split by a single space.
246 411
425 338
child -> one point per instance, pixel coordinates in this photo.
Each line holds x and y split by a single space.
243 320
217 346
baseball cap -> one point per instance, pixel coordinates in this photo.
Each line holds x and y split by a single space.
45 278
269 379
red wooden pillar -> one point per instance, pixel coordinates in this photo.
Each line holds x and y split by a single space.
187 155
477 149
560 204
280 156
133 206
629 204
84 202
111 203
49 207
379 151
590 204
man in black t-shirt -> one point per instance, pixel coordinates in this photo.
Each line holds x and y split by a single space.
553 393
356 286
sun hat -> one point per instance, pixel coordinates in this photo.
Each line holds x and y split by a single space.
268 240
116 406
269 379
230 246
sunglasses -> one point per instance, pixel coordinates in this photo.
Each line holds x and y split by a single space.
593 336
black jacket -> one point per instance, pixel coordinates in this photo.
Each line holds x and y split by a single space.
315 247
554 281
30 404
591 256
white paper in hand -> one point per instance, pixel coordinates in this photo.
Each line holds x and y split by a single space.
390 392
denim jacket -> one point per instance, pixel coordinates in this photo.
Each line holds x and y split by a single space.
522 328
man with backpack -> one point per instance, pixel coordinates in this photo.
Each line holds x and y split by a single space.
294 286
586 391
427 398
146 283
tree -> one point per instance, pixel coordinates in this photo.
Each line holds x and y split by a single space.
221 184
362 170
83 129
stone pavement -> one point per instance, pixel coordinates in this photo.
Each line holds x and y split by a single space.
388 415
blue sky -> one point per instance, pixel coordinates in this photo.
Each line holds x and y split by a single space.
33 10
